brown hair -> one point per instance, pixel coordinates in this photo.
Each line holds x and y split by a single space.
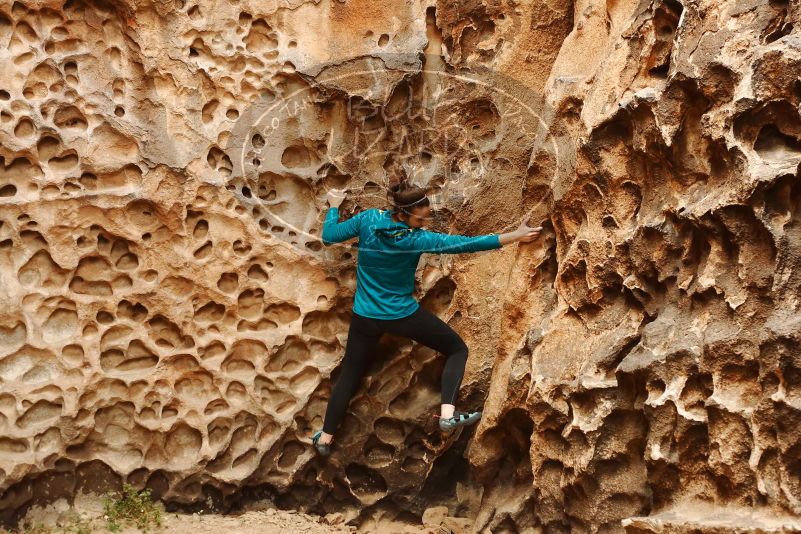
405 196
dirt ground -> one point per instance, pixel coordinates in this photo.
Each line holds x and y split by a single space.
262 517
270 521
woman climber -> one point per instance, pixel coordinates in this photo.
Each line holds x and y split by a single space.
390 245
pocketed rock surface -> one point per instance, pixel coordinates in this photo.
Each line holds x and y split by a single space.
170 318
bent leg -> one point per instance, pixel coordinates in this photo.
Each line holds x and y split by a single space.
429 330
363 336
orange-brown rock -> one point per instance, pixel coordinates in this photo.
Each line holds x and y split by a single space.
169 316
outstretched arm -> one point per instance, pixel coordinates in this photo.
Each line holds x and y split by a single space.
456 244
438 243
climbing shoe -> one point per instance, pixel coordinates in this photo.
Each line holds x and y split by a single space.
447 424
323 448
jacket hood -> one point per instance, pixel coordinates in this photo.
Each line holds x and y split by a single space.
387 228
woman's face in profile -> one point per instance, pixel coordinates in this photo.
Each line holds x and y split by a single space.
419 216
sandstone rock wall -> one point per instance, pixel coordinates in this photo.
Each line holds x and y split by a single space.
171 318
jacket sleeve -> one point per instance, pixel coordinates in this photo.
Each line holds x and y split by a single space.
438 243
336 232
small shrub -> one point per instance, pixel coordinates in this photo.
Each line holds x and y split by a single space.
132 506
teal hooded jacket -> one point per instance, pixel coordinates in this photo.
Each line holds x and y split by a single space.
389 252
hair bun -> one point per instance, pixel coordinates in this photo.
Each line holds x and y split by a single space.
404 195
400 185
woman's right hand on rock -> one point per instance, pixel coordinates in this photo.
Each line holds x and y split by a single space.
527 234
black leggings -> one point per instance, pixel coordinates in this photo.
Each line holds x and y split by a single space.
363 335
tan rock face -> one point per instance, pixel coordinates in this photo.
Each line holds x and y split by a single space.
171 318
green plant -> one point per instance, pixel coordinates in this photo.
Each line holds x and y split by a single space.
132 506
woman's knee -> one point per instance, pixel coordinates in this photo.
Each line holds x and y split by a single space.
458 348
